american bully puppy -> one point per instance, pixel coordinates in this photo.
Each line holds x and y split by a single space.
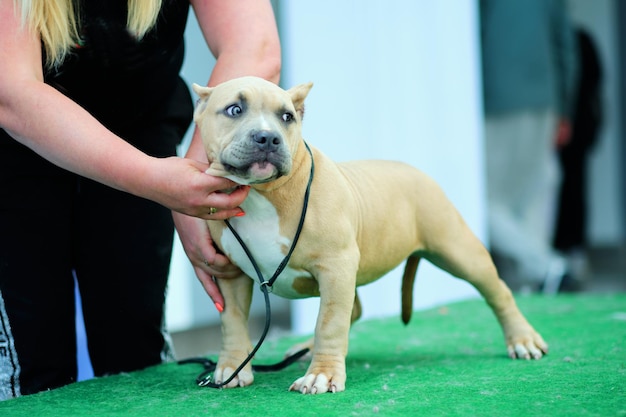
251 130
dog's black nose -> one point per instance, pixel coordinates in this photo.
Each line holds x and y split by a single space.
267 140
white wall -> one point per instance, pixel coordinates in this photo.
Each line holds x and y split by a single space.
394 80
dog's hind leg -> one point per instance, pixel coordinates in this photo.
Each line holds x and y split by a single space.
458 251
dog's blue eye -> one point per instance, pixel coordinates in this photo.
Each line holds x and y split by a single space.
233 110
287 117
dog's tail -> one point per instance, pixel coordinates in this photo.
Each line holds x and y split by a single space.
408 279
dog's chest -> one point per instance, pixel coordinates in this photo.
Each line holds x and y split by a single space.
260 231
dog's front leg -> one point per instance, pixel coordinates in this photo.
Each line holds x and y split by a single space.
235 339
327 371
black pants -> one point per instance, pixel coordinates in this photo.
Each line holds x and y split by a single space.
572 211
52 223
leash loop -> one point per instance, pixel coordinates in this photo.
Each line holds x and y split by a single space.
267 285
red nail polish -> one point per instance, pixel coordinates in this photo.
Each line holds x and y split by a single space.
241 214
219 307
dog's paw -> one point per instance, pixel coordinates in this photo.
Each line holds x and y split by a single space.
526 343
243 378
225 369
321 378
297 348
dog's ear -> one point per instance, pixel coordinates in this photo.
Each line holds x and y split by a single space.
203 93
298 94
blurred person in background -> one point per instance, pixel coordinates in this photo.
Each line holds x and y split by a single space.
571 226
529 78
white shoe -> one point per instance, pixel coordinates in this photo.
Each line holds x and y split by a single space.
554 276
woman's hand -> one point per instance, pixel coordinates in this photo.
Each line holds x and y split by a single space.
195 197
182 185
207 263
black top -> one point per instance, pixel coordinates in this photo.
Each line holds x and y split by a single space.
117 78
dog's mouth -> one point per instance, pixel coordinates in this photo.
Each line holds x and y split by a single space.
256 172
257 158
262 169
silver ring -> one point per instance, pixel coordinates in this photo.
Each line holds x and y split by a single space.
212 210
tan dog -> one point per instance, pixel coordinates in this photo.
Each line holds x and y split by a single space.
251 130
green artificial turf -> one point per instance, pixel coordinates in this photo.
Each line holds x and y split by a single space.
449 361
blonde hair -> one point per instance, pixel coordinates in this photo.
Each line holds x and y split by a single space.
57 22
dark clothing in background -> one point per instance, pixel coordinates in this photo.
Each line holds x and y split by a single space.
572 213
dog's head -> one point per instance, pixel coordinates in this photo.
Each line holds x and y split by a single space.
250 128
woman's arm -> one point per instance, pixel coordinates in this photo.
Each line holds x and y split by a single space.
64 133
243 37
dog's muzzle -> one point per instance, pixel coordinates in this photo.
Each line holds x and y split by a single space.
261 157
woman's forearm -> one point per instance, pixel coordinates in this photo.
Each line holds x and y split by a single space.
64 133
243 37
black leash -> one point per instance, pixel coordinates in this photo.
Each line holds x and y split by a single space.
205 378
210 365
